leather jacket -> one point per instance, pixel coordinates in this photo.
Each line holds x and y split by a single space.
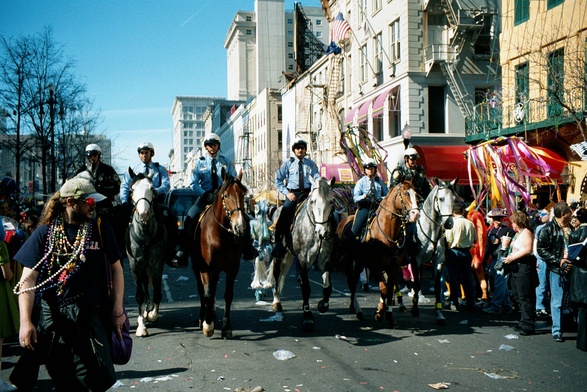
551 245
575 237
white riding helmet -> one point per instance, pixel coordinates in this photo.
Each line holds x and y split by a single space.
299 142
369 163
93 148
212 138
146 146
410 152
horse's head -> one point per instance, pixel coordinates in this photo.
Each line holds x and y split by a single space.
403 200
444 197
232 197
320 205
142 194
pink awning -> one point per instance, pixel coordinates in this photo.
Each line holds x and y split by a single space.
380 102
348 120
363 111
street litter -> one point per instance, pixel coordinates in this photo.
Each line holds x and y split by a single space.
283 355
495 376
117 384
439 385
164 378
262 303
506 347
443 341
512 336
278 316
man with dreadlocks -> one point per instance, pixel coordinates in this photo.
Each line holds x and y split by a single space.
64 277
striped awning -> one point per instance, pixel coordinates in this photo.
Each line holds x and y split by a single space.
363 111
348 120
380 102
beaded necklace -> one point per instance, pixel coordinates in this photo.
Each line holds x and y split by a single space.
61 259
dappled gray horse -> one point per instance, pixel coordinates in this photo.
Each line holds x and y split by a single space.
312 241
146 244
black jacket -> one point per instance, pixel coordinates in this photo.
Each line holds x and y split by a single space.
551 245
575 237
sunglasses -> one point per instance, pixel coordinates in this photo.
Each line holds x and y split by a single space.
412 157
92 153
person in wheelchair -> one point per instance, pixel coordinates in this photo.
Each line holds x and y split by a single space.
368 192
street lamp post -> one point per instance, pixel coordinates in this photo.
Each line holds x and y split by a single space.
407 135
51 102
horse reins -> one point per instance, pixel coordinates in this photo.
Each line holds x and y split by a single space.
228 213
393 214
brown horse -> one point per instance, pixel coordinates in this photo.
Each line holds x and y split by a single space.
382 249
217 247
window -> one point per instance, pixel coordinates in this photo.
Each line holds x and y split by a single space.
362 10
376 5
483 42
318 34
378 53
553 3
555 82
290 55
363 63
249 19
521 11
290 44
522 85
289 21
318 22
394 40
249 32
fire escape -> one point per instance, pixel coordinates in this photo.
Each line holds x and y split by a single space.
463 25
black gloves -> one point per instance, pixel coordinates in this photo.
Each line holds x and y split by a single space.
208 197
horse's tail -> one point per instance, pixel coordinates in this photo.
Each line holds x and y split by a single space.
477 250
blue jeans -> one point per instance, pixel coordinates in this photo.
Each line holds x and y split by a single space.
501 294
460 273
542 288
558 286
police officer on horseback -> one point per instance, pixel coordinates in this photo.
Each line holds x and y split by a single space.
292 181
411 171
160 179
104 179
367 193
206 179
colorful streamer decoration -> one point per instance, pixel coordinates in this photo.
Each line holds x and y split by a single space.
507 168
358 145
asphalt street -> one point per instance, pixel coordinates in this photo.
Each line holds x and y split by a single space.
473 352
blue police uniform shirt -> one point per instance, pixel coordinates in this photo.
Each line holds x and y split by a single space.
363 187
287 175
201 177
160 179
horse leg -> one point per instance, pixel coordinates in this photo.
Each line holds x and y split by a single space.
352 281
228 297
308 318
324 304
383 308
440 319
207 305
141 302
280 269
259 264
156 283
400 298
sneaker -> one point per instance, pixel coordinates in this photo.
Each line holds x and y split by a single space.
6 386
481 304
558 338
491 310
542 313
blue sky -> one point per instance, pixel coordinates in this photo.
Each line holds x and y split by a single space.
135 56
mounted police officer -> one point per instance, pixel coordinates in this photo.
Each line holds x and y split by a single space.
367 193
292 181
411 171
104 179
206 179
160 179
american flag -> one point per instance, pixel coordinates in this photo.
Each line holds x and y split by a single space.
339 29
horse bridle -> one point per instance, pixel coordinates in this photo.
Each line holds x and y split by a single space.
150 203
403 217
437 207
228 213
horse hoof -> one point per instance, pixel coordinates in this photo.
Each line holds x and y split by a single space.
267 285
152 317
402 308
360 316
277 307
323 306
227 334
352 309
415 312
142 332
208 329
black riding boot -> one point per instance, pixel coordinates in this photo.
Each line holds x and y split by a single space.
180 260
249 251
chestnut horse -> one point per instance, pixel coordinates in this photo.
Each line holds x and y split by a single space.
217 247
382 249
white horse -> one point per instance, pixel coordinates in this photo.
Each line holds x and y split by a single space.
431 246
312 241
146 244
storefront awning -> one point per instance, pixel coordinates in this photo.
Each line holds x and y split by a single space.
348 120
363 111
444 162
380 102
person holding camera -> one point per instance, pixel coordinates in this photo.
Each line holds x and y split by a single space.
552 249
